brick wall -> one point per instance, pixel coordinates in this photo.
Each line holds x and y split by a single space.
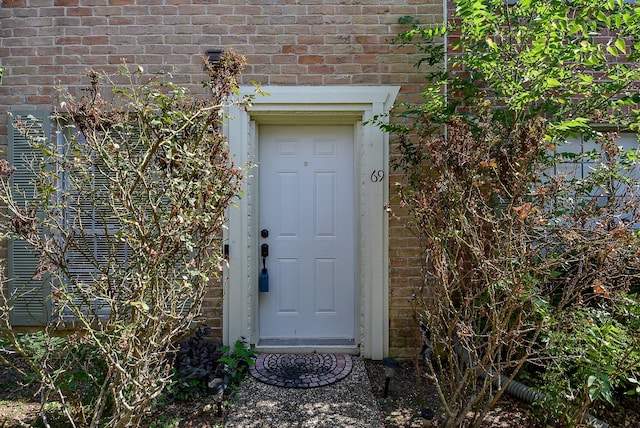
286 42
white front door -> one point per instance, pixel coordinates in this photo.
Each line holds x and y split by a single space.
306 176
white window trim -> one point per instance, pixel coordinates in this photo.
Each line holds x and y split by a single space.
312 105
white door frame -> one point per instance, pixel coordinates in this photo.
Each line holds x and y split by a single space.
314 105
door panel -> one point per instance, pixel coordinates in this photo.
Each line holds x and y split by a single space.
307 205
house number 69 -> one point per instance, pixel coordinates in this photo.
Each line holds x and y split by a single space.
377 175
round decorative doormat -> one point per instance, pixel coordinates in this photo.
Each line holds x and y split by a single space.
301 370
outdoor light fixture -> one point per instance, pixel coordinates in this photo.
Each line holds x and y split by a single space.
390 366
427 416
214 55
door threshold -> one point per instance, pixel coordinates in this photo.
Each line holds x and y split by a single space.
307 346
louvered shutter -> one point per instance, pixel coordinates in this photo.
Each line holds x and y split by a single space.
30 298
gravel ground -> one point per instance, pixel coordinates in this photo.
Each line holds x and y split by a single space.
347 403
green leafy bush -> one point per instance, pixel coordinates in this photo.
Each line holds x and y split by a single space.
521 232
238 359
593 356
74 366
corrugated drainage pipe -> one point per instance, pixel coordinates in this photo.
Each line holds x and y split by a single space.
521 391
529 395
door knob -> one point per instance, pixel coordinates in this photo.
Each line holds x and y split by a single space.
264 233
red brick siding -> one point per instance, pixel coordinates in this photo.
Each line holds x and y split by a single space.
289 42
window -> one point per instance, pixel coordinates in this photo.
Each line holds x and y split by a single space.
89 229
579 160
85 233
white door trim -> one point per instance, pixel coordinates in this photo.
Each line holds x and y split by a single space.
313 105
